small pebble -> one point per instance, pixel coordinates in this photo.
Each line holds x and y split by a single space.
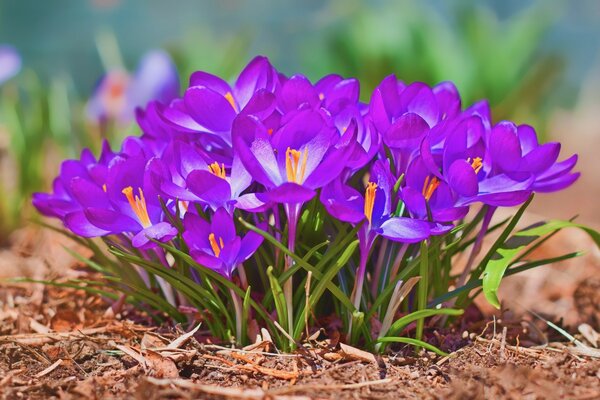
465 334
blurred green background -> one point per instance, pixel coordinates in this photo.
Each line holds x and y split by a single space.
529 58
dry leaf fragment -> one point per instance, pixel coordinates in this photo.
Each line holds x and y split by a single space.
180 341
352 353
161 367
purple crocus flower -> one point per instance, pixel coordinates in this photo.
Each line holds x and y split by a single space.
515 151
10 62
63 202
126 204
118 94
403 114
374 209
304 154
187 174
210 104
216 245
465 164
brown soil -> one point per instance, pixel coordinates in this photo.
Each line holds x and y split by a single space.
65 346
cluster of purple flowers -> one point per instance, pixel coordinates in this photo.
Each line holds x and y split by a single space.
405 166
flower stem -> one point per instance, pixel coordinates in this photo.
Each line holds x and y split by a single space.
358 285
237 304
476 246
288 287
422 288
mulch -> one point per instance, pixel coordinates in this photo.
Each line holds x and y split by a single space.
61 343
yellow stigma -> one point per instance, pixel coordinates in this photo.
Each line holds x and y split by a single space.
138 205
216 247
429 187
321 96
231 100
218 170
370 200
476 164
292 162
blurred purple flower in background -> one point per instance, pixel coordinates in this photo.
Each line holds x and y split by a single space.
118 93
10 62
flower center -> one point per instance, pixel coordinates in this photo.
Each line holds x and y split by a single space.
230 99
138 205
216 246
476 164
429 187
218 170
370 200
292 162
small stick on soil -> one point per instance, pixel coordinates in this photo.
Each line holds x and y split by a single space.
358 385
49 369
503 344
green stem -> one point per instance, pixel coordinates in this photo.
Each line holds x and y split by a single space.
422 289
237 304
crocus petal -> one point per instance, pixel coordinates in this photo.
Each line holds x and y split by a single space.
258 74
208 260
505 148
555 184
111 220
209 108
406 131
222 225
250 243
88 194
163 231
559 168
343 202
196 231
213 82
78 223
287 193
298 91
251 143
527 138
462 178
448 99
405 230
418 98
541 158
249 202
210 188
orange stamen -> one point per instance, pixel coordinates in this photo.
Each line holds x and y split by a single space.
292 162
138 205
476 164
370 200
218 170
104 187
430 186
216 246
231 100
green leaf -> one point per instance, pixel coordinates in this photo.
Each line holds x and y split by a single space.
301 262
504 256
401 323
319 289
279 297
414 342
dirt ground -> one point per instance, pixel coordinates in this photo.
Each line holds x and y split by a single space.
63 344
